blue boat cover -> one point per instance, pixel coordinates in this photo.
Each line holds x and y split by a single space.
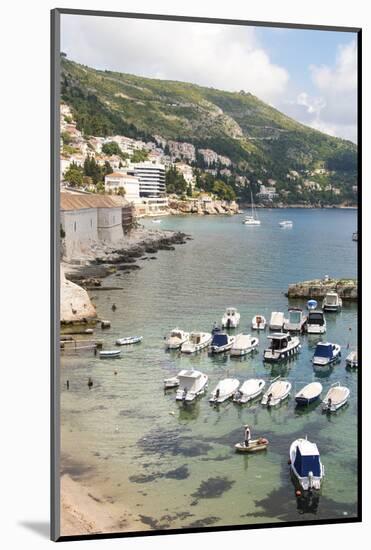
307 463
219 339
312 304
324 350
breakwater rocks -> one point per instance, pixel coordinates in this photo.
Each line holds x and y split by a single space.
317 288
203 207
75 304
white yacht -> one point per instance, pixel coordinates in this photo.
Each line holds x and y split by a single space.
277 392
249 390
316 322
192 383
287 224
258 322
296 321
221 342
196 342
282 346
332 302
128 340
326 353
176 338
231 318
352 359
244 344
335 398
253 218
305 463
277 320
224 390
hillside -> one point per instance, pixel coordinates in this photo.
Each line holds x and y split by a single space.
261 142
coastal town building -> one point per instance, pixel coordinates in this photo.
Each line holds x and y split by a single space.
122 180
151 177
267 193
187 173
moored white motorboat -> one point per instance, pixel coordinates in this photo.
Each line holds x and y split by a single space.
332 302
172 382
277 392
296 321
221 342
129 340
197 341
258 322
305 464
156 221
352 359
224 390
244 344
249 390
231 318
316 322
176 338
335 398
286 224
192 383
282 347
326 353
309 393
277 320
106 354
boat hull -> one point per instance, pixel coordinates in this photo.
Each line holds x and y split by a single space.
255 445
304 401
278 356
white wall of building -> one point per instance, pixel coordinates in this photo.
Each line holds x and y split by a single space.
81 231
110 224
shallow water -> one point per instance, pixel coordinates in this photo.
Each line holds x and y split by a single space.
175 465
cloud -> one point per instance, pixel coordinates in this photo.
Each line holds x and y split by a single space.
221 56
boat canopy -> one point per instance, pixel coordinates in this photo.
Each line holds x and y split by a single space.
279 341
307 459
316 318
176 334
231 311
312 304
324 350
332 299
187 378
295 316
219 339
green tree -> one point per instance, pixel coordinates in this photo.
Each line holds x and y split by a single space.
74 175
139 155
113 148
175 182
223 191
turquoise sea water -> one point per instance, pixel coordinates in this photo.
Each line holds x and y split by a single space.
173 464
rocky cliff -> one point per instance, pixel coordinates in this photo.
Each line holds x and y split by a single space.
317 288
75 304
200 207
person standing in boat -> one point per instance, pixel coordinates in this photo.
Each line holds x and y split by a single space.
247 435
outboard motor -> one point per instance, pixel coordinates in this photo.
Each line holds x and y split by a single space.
310 479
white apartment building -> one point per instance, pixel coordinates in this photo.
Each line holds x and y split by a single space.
151 177
129 183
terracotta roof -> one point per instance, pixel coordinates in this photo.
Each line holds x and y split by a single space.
115 175
69 201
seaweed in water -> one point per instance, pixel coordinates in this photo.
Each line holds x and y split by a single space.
213 487
204 522
178 473
171 442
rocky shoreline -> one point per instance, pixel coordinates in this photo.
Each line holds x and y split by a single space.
347 289
202 207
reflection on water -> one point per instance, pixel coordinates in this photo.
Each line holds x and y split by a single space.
147 452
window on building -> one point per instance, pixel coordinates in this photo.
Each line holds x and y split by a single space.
91 223
74 226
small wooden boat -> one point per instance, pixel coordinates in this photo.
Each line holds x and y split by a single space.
258 322
309 393
129 340
254 446
110 353
335 398
352 360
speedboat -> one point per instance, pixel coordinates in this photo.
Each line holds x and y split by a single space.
156 221
224 390
352 360
277 392
109 354
196 342
282 346
332 302
176 338
172 382
305 464
249 390
335 398
129 340
277 320
309 393
312 304
221 342
316 322
286 223
192 383
326 353
258 322
244 344
231 318
296 321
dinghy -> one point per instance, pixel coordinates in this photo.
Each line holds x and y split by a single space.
326 354
332 302
309 393
335 398
224 390
109 353
258 322
282 347
192 383
243 344
312 304
276 321
277 392
249 390
129 340
316 322
305 463
196 342
231 318
352 360
254 446
221 342
286 224
170 383
296 321
176 338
